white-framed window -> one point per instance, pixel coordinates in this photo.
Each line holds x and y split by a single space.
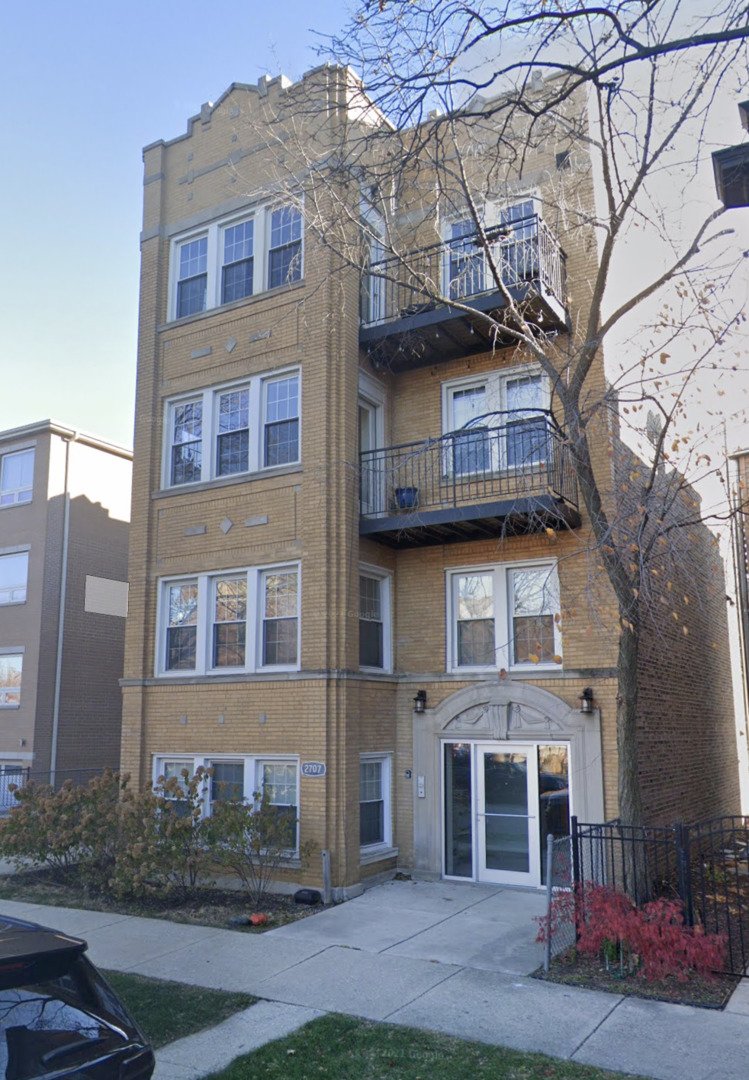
230 621
497 421
16 477
232 430
375 818
14 572
375 634
511 233
234 258
242 778
11 668
504 616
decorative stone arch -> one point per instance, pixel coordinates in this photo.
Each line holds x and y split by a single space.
500 712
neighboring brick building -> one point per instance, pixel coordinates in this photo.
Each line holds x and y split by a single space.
356 539
64 512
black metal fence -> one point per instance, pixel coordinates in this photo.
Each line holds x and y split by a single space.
523 252
509 455
705 865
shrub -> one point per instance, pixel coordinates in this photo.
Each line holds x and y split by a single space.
253 840
162 845
72 831
110 839
651 940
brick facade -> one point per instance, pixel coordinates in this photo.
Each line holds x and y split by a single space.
235 162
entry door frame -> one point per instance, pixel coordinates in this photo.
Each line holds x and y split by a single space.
532 877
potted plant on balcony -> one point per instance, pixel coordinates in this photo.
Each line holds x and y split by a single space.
406 498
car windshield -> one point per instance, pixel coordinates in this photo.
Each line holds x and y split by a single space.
41 1034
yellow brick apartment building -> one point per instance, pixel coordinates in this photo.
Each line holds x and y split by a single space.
360 576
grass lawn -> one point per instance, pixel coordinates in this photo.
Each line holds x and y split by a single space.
341 1047
166 1011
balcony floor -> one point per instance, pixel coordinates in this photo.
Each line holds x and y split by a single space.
458 524
435 332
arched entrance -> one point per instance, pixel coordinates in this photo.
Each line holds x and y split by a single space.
497 767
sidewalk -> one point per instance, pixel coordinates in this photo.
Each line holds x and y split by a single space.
441 956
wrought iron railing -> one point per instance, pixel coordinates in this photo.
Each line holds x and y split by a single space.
525 455
705 865
522 253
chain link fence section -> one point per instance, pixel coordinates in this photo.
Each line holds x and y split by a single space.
561 933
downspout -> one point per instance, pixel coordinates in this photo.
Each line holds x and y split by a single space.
61 612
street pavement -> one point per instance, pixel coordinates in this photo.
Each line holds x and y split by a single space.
442 956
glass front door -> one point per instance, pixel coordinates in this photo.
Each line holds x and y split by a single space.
500 802
507 815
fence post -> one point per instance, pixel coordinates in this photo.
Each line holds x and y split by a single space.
575 850
684 870
549 896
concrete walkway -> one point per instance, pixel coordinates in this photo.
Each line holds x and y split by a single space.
442 956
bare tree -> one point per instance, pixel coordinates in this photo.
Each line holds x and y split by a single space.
458 105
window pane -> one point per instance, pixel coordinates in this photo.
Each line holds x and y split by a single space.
182 627
285 254
370 622
278 783
187 445
527 443
471 453
533 637
16 477
475 596
238 242
232 455
280 593
476 642
230 623
237 281
10 679
227 782
280 622
280 641
468 405
466 261
371 803
534 600
13 575
370 644
281 421
475 624
193 258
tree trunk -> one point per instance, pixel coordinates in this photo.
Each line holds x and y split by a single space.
630 802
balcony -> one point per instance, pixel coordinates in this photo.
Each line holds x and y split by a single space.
406 316
505 474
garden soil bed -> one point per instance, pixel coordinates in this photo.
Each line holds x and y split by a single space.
203 907
591 973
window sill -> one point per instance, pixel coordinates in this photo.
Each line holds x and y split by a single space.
517 669
226 481
377 853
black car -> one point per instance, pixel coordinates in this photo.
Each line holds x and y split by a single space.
58 1016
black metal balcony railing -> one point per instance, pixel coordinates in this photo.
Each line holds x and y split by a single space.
523 253
523 458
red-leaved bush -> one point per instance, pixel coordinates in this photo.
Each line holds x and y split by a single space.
651 940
